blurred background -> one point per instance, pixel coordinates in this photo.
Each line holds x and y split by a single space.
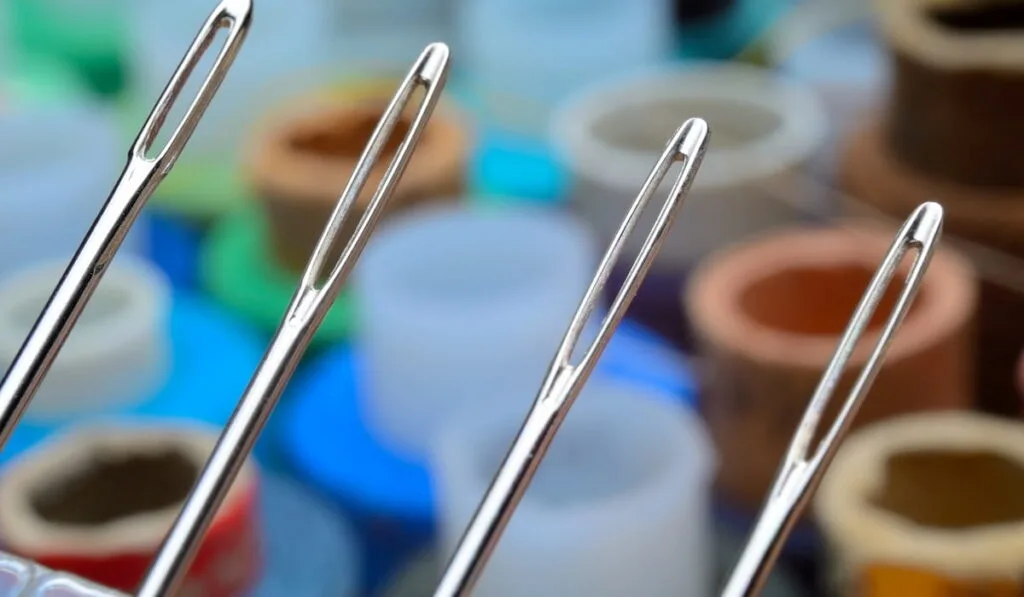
830 120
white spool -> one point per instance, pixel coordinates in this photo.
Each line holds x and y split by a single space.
58 164
286 44
119 352
620 506
462 306
763 131
526 56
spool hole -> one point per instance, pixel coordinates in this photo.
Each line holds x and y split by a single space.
114 486
969 17
643 128
953 490
345 137
816 301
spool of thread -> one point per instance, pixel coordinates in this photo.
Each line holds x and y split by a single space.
875 177
460 305
619 506
765 131
959 71
136 351
52 189
389 496
834 48
98 502
20 578
305 154
385 36
117 355
769 314
287 49
927 505
525 57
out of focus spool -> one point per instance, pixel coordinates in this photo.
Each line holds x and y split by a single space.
619 506
136 350
98 502
116 356
52 188
959 79
947 136
765 132
462 306
927 505
769 314
875 177
302 157
287 50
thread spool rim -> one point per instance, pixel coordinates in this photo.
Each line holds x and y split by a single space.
908 30
713 296
141 298
24 530
801 130
866 534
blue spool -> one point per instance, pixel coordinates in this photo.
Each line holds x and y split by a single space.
309 549
174 248
390 498
213 358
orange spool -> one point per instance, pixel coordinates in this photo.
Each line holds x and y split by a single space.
768 316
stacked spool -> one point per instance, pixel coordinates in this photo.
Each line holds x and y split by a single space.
765 131
769 314
297 166
949 134
926 505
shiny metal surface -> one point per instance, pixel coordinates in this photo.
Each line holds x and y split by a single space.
801 471
141 175
565 379
317 290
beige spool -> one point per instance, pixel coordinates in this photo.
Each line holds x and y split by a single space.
304 154
769 314
928 505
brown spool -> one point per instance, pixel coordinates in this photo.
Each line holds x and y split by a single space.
957 88
305 154
930 505
768 315
872 174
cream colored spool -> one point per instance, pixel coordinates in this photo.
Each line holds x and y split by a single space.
939 493
763 131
